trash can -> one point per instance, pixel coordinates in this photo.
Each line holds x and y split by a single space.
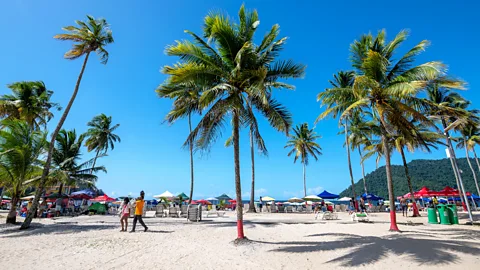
432 215
452 213
443 214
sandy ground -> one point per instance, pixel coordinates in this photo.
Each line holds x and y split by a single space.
278 241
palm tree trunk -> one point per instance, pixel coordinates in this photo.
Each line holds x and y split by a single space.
347 145
191 158
46 169
238 186
12 214
470 165
304 180
60 189
95 160
416 213
251 207
476 158
363 171
391 195
456 170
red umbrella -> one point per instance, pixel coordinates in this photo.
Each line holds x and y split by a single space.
232 201
103 198
194 202
202 201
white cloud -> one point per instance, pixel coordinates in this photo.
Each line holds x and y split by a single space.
258 192
113 193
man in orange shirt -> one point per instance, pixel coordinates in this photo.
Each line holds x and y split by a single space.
139 203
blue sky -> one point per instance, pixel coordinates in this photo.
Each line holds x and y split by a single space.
150 156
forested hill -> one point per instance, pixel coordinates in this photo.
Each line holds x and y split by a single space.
435 174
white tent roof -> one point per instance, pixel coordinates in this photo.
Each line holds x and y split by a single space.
28 197
165 194
211 199
344 199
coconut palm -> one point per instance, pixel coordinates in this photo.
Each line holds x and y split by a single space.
388 89
472 139
303 144
90 36
100 136
67 168
232 72
21 148
468 144
186 102
29 101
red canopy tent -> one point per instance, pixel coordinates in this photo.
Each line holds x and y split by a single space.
204 202
232 201
103 198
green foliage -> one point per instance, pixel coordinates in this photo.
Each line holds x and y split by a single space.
303 144
434 174
100 136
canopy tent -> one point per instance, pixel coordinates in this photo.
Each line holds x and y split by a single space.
151 202
232 201
295 200
103 198
267 199
165 194
327 195
26 198
371 197
183 196
194 202
87 192
224 197
211 199
312 198
345 199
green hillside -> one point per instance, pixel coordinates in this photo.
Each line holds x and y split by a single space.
435 174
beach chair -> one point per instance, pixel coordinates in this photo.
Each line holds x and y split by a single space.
183 210
360 217
273 208
289 209
338 208
382 208
150 214
173 212
159 211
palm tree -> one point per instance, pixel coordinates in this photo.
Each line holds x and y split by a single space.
100 135
29 101
231 73
66 158
388 89
472 135
88 37
186 103
447 106
21 148
467 141
304 144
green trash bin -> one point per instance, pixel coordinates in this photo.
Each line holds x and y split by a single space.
452 213
443 214
432 215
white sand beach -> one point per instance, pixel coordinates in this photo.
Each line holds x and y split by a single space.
279 241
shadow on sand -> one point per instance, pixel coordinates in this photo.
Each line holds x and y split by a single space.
370 249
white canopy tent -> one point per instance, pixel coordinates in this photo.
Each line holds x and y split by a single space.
165 194
344 199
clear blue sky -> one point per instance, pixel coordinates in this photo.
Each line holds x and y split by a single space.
150 156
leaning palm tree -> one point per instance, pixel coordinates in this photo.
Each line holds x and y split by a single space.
466 142
472 139
388 89
304 144
100 136
67 167
90 36
186 102
21 148
232 72
29 101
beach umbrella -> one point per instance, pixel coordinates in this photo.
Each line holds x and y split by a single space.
183 196
232 201
224 197
27 197
327 195
327 202
295 200
267 199
344 199
211 199
312 198
165 194
103 198
204 202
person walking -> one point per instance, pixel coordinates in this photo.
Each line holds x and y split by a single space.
124 214
403 205
139 203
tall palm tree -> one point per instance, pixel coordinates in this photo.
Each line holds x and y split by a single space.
232 72
186 102
304 144
100 136
21 148
66 159
466 142
90 36
29 101
388 89
472 139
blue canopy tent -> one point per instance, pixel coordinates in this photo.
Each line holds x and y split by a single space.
327 195
371 197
